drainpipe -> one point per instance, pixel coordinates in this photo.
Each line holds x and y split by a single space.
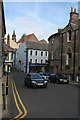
27 60
74 55
61 51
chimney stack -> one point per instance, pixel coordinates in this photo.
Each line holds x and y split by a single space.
73 15
14 36
8 40
23 38
60 29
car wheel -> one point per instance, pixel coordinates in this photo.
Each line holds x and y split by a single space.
45 86
50 81
67 82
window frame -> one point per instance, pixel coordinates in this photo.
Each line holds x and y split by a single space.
30 53
69 36
36 52
31 61
41 61
46 54
36 61
41 53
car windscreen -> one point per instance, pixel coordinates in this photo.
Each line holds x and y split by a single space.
45 74
62 76
35 76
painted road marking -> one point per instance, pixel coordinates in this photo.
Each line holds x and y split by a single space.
20 112
25 111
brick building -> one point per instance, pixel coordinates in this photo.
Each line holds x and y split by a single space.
64 48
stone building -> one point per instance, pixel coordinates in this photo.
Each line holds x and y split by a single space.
64 48
2 50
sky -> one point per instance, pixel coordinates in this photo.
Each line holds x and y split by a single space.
41 18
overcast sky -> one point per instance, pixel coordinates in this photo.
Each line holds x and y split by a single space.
40 18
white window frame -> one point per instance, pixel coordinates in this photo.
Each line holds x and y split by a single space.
35 53
35 61
46 54
30 60
68 37
42 61
30 52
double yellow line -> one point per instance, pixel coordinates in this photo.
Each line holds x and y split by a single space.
19 110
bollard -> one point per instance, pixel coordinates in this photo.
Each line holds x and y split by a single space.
7 85
3 94
7 88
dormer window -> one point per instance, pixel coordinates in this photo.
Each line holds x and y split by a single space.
69 36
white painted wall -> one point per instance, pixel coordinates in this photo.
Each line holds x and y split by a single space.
13 44
38 57
21 55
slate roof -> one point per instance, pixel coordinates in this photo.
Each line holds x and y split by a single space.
36 45
74 26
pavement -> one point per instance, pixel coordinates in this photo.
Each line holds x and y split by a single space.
6 112
75 82
0 98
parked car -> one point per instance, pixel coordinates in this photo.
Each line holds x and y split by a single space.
58 78
35 79
45 75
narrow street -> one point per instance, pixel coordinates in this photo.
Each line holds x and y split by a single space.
55 101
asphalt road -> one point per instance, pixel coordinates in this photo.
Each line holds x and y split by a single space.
55 101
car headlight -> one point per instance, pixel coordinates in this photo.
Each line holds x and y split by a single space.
45 81
33 81
61 79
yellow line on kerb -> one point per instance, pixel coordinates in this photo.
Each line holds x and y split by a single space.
20 112
25 111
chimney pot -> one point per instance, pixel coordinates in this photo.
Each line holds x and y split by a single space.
71 9
75 10
8 40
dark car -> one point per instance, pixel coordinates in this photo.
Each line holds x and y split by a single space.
35 79
58 78
45 75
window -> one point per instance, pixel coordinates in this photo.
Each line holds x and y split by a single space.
46 61
68 58
69 36
36 61
36 53
7 58
30 60
52 55
11 56
41 61
45 53
52 41
41 53
31 52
